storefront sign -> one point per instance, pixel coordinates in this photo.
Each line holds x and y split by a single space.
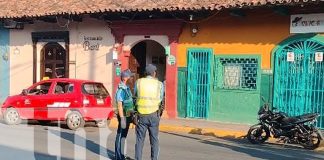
307 23
91 43
319 56
290 56
171 60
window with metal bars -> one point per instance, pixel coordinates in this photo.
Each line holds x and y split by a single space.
237 73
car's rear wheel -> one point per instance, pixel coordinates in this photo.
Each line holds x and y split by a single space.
74 120
103 123
12 117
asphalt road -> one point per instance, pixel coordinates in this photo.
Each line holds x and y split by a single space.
33 141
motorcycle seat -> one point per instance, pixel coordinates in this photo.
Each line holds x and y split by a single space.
300 119
308 116
288 120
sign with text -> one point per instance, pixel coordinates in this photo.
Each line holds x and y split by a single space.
91 43
318 56
171 60
290 56
307 23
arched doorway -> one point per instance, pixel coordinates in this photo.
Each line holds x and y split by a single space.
299 77
53 61
143 53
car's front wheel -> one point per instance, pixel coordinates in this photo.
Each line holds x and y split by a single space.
74 120
12 117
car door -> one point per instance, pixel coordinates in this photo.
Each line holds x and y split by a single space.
35 99
63 97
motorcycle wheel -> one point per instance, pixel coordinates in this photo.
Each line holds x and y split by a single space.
312 142
258 134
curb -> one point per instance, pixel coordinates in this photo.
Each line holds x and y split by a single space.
206 132
191 130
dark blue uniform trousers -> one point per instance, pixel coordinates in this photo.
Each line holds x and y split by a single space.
121 138
151 123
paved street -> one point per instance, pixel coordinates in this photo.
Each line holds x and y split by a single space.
33 141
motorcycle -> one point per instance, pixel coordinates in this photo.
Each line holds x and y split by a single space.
294 130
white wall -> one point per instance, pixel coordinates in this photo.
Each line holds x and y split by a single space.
90 65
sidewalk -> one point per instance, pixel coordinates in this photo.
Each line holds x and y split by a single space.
202 127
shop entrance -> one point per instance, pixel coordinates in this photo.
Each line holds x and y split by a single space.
53 61
143 53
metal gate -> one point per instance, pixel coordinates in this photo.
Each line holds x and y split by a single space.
198 81
182 92
299 78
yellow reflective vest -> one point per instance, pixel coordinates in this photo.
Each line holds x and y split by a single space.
148 95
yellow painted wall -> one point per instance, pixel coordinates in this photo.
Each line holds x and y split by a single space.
257 33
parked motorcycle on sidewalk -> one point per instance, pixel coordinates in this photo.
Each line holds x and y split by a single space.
294 130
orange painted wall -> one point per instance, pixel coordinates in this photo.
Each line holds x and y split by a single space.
257 33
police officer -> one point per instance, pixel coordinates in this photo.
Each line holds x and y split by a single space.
149 93
125 107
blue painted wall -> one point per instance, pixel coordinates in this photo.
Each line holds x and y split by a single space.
4 64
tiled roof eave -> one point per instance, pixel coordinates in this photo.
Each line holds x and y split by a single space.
170 6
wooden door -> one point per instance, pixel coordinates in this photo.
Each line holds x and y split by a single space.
53 64
137 63
133 66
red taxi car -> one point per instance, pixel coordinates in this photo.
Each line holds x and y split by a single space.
70 100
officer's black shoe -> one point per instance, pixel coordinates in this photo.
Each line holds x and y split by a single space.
128 158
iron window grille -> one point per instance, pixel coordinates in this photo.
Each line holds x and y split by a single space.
237 73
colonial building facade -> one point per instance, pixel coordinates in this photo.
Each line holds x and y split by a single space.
216 60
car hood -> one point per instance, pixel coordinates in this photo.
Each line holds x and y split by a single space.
11 99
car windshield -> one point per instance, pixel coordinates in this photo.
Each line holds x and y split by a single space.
94 88
39 89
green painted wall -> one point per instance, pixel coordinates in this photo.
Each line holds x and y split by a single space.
234 105
230 105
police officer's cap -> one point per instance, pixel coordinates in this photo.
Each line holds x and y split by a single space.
126 73
150 69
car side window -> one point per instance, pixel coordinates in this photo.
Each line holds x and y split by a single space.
94 89
40 89
63 87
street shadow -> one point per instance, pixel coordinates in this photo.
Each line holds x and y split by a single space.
266 151
60 124
16 153
89 145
